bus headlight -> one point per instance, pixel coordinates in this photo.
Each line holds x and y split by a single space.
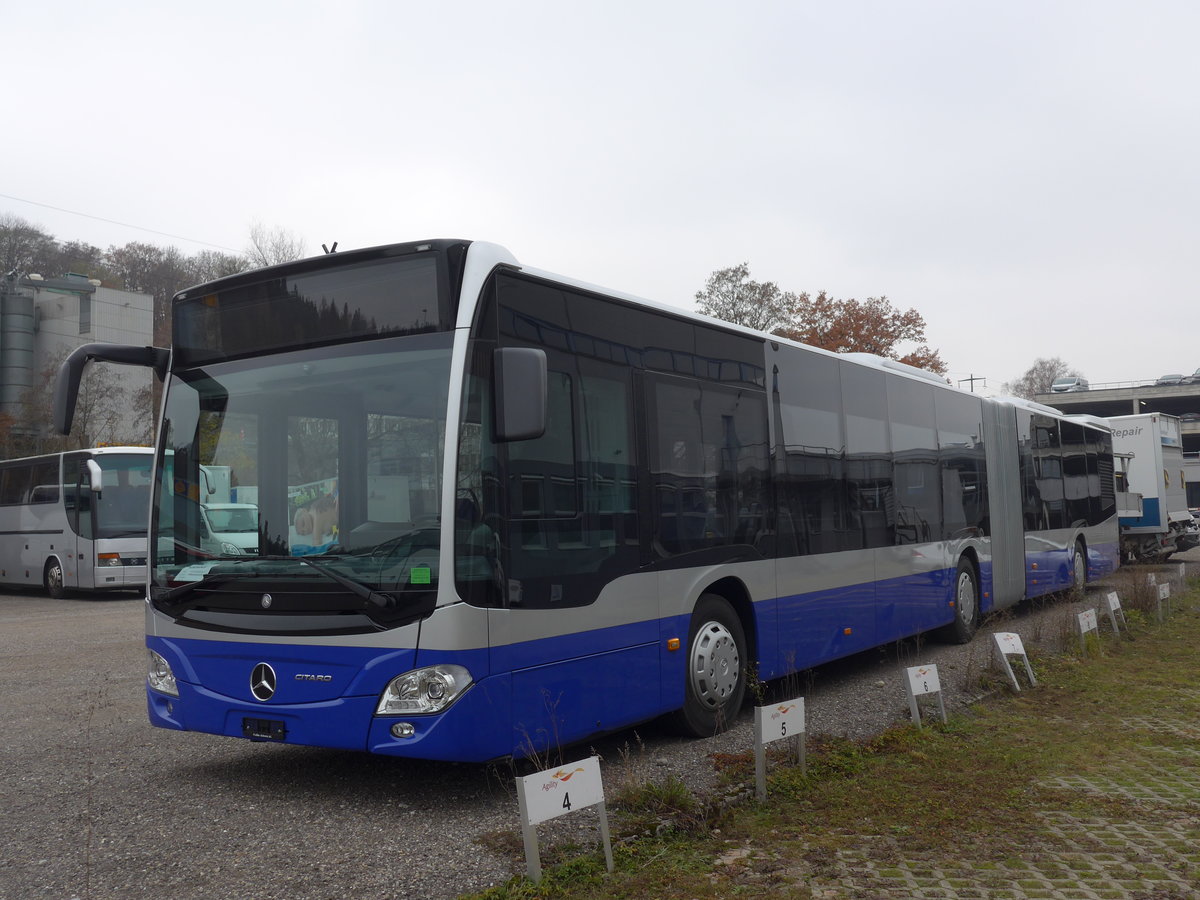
159 675
427 690
230 549
108 559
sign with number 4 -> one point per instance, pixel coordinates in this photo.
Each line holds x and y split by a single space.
555 792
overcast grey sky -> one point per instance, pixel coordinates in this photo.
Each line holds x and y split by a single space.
1022 173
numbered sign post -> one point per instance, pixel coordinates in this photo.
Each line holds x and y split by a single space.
1164 602
1116 615
1087 622
921 680
556 792
1009 644
774 723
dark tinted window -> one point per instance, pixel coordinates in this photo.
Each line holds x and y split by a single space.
540 314
1075 474
1048 508
915 461
44 486
567 511
366 300
1101 483
29 482
708 465
868 456
813 510
964 467
541 472
14 483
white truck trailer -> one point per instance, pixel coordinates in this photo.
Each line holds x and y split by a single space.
1155 451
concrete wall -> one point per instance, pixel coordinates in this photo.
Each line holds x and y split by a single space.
118 317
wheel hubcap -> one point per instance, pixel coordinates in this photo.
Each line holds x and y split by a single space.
966 597
55 577
716 667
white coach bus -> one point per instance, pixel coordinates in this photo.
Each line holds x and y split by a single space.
76 521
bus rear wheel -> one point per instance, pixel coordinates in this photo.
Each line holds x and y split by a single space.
715 683
53 580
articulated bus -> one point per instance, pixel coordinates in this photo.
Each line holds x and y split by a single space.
76 521
500 511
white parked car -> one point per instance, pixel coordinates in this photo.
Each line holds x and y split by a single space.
1069 383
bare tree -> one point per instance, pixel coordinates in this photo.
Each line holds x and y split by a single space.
1038 378
24 247
271 246
731 295
98 414
209 265
843 326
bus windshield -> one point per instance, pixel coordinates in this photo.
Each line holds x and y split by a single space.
332 455
122 508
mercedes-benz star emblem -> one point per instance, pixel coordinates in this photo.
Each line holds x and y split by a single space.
266 601
262 682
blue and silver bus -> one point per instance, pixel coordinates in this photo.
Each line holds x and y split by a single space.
76 521
500 510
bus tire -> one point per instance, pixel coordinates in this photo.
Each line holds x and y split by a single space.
966 605
1078 567
715 678
53 579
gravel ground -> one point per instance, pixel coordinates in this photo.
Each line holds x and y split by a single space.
97 804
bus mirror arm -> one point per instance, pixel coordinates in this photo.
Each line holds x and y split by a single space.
70 373
520 393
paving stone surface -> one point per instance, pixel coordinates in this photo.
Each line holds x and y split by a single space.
1156 857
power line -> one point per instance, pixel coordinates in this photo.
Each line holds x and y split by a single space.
73 212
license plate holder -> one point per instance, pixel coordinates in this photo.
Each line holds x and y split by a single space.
264 729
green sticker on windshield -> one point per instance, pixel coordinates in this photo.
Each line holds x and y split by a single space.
420 575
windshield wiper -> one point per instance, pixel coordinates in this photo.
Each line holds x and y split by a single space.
173 595
370 595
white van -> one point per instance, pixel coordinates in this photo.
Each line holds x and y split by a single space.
1069 383
229 529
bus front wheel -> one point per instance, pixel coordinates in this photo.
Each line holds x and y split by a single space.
966 605
715 680
1079 570
53 580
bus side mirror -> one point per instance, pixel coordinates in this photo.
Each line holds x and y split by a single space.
95 477
519 382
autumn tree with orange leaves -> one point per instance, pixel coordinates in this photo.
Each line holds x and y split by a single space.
843 326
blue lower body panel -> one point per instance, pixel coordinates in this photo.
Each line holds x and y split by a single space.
325 697
531 696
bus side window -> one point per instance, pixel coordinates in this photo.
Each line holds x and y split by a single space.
709 465
915 464
869 476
